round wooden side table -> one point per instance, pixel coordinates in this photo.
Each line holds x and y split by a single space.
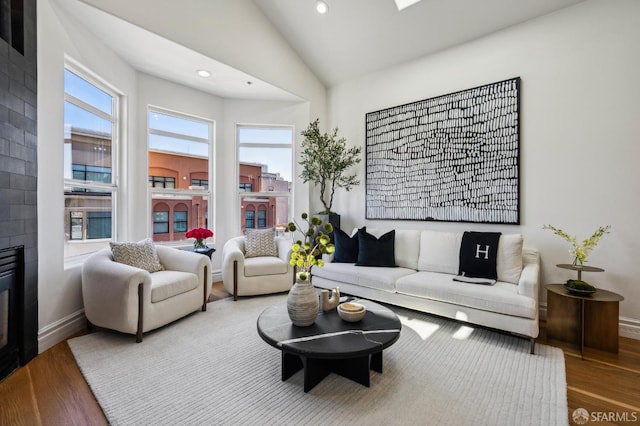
590 321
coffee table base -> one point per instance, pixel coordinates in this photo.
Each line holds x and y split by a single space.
315 369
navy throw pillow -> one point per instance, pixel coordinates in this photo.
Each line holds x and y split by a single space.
478 254
346 247
374 251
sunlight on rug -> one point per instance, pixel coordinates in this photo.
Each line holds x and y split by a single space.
212 368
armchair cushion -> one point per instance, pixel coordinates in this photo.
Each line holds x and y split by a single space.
166 284
140 255
260 243
266 265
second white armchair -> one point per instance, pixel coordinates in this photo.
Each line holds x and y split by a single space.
250 276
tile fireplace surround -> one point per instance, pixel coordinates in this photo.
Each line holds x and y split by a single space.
18 172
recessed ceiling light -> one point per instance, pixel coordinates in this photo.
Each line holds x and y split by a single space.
322 7
403 4
204 73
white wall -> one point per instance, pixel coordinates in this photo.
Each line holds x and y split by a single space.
59 292
579 133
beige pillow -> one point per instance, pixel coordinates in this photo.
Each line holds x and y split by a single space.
260 243
440 251
509 262
141 255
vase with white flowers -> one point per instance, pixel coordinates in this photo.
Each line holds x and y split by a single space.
580 250
302 302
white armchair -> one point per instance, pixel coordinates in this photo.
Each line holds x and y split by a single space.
131 300
256 275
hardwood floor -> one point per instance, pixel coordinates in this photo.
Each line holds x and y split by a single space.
50 390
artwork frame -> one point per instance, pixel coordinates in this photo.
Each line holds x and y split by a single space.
449 158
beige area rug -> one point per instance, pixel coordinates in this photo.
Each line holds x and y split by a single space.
213 368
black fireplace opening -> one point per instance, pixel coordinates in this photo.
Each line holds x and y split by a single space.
12 285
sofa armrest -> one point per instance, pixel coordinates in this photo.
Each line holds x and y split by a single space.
179 260
110 291
284 248
232 252
529 283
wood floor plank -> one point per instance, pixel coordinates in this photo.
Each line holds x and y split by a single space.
622 385
17 400
62 393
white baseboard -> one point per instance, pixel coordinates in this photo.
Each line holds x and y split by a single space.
60 330
216 275
628 327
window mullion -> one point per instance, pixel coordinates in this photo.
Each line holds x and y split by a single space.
177 135
88 107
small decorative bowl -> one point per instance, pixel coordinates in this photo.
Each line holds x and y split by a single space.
579 292
351 311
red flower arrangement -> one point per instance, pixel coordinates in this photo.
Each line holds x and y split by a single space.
200 234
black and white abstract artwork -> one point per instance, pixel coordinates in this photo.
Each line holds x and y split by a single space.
451 158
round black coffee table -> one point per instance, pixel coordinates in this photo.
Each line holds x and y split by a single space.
349 349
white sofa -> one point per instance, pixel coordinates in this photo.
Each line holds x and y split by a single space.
427 262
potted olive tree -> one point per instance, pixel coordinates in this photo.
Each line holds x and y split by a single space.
325 160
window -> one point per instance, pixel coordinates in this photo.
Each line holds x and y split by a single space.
98 225
199 182
262 218
162 182
179 149
90 167
160 222
265 172
180 218
249 219
91 173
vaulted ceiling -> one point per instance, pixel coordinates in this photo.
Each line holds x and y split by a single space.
354 38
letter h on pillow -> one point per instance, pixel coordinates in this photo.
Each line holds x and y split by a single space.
478 255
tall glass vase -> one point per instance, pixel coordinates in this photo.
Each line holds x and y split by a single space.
302 303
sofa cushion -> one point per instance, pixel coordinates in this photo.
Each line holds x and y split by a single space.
501 297
346 247
374 251
260 243
166 284
479 254
265 265
140 255
509 264
380 278
439 251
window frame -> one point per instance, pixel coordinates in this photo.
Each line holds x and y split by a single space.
159 222
241 193
209 192
118 101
